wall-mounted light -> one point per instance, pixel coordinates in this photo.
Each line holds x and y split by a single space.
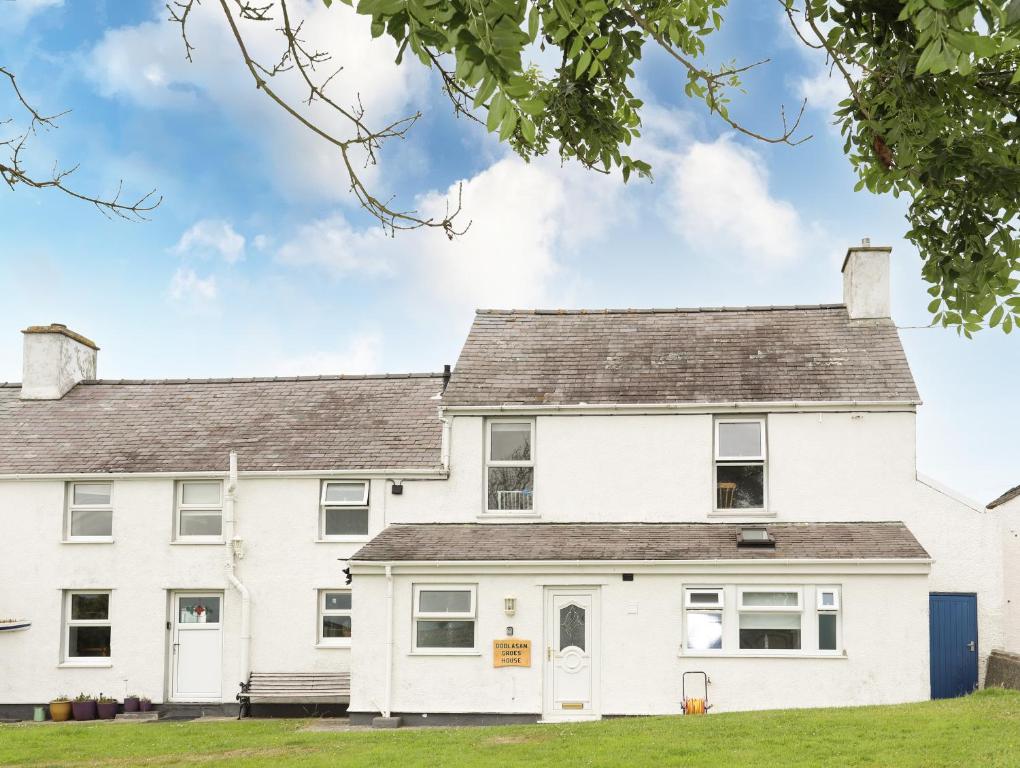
397 488
509 605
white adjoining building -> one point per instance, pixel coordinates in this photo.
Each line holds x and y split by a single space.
591 505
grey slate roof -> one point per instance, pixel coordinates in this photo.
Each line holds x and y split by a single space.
451 542
311 423
1009 495
754 354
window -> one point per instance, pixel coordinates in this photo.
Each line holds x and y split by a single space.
704 619
828 619
334 617
444 617
510 466
740 464
343 510
199 509
770 619
89 511
86 626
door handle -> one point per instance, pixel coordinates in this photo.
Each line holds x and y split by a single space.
970 646
175 647
548 653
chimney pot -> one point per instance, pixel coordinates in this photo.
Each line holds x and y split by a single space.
55 359
866 281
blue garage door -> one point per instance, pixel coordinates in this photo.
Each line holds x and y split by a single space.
953 633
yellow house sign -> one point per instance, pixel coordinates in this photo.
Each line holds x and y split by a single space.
511 652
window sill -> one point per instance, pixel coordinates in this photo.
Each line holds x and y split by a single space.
85 665
197 540
88 540
834 655
756 513
508 516
442 652
333 646
344 539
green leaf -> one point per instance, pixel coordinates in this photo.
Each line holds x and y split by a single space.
582 64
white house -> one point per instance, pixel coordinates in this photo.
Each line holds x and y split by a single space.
593 504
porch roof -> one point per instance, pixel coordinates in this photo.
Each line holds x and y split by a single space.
456 542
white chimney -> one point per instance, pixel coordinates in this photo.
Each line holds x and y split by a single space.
866 281
55 359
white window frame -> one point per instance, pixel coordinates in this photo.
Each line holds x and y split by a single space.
333 642
742 608
179 506
740 461
489 462
835 610
719 606
792 610
363 504
71 507
416 615
86 661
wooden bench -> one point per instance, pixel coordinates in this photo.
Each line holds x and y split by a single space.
294 687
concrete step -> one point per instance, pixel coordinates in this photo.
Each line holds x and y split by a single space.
137 717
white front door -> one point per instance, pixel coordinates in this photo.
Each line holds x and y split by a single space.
572 654
196 660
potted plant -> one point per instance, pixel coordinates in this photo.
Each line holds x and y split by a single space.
60 709
145 704
106 707
84 707
131 703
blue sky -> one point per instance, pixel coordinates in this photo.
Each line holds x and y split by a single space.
258 263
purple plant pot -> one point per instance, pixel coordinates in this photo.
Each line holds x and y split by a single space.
145 705
107 710
131 704
83 710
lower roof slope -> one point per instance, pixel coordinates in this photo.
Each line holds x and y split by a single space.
1009 495
321 423
453 542
754 354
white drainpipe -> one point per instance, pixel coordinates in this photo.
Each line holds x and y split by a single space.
388 684
233 544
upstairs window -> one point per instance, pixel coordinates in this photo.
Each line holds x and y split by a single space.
343 510
740 464
89 512
199 510
510 466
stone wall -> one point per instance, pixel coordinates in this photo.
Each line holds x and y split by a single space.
1003 670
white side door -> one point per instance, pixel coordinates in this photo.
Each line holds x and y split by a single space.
572 655
196 652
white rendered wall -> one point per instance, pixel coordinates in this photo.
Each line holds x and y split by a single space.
283 567
1009 517
885 634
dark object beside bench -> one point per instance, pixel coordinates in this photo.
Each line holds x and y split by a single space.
294 687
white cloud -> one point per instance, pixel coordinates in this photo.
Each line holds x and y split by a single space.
212 235
362 354
719 198
145 63
15 14
332 245
187 287
824 89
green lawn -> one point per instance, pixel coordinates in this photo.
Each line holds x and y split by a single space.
980 730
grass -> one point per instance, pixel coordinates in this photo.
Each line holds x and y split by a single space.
980 730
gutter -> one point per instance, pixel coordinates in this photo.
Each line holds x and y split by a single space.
417 473
703 407
234 550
